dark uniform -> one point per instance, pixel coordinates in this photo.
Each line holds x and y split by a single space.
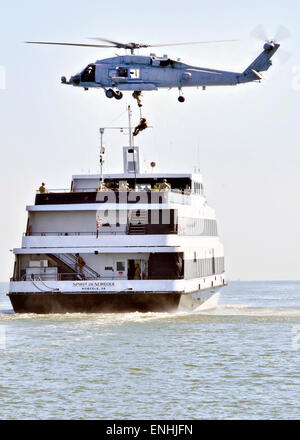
80 263
142 126
137 95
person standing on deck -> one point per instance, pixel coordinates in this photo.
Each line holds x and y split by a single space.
80 263
42 188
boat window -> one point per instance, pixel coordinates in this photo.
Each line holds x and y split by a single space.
120 266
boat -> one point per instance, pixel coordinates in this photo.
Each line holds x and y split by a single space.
116 243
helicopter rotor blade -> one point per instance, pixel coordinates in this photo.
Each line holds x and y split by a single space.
282 34
67 44
138 45
130 45
188 43
259 33
115 43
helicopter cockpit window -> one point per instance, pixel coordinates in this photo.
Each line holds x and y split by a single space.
88 75
122 72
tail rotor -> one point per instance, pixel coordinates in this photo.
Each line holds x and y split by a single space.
281 34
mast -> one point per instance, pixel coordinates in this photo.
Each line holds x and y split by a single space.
131 143
133 150
129 125
101 161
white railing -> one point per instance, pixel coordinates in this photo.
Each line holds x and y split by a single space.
73 234
76 276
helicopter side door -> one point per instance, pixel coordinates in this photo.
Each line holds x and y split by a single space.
118 73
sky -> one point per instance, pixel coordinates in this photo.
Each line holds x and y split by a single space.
245 139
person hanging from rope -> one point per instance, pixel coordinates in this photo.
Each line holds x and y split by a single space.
142 126
137 95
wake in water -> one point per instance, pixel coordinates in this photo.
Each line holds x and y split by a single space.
247 310
252 299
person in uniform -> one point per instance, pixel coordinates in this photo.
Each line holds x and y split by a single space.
80 263
137 95
165 186
142 126
126 187
102 187
137 273
42 188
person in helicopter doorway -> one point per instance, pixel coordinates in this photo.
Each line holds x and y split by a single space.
142 126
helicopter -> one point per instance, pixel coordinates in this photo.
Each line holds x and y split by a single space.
137 73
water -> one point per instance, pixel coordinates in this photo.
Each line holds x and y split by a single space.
239 360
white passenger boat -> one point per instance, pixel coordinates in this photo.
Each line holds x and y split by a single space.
119 243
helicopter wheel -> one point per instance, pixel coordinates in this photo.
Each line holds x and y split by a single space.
181 98
110 93
118 95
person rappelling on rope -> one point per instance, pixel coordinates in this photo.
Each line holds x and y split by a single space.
142 126
137 95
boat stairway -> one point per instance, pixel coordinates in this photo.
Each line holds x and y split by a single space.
138 222
69 261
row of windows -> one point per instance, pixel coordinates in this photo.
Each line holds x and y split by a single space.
197 226
203 267
198 188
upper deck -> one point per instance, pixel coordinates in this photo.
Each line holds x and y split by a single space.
125 188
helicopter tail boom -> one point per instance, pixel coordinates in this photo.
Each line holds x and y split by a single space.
263 61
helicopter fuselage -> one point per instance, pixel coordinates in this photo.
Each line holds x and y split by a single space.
140 73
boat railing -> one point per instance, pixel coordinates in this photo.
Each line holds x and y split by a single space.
66 190
175 195
93 189
73 234
76 276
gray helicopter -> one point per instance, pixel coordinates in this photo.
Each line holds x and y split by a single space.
138 73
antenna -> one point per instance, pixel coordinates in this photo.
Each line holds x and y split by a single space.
102 151
131 143
129 125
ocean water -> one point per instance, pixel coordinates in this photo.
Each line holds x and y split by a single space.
239 360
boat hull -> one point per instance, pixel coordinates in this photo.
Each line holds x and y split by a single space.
56 302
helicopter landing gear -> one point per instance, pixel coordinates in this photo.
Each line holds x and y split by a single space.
181 98
109 93
118 95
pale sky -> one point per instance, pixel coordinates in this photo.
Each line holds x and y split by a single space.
245 139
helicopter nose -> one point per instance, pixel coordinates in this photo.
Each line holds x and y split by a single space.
75 79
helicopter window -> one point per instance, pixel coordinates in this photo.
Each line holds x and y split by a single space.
122 72
134 73
165 63
88 75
